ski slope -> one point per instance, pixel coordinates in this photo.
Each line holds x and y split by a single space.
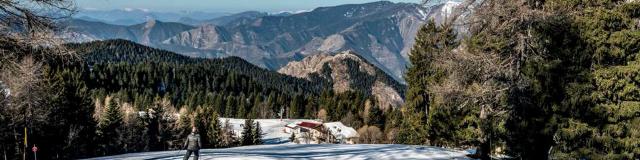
307 151
278 147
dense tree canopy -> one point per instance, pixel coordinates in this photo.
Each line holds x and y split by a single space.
530 79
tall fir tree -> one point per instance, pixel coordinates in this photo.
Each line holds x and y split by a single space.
257 134
109 129
431 41
214 131
294 107
231 107
247 133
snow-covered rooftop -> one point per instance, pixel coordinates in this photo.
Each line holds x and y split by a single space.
339 130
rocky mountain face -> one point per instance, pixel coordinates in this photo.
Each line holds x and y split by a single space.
346 71
382 33
153 32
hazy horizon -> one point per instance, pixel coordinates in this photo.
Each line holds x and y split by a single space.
222 6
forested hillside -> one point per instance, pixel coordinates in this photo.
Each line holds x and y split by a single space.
551 79
127 97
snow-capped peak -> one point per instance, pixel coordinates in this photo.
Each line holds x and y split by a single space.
449 6
290 12
136 9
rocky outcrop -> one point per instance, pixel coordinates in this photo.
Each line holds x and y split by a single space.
346 71
206 36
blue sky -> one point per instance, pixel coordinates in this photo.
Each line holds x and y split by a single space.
218 5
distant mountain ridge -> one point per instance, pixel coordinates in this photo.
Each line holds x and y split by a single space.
148 33
132 16
380 32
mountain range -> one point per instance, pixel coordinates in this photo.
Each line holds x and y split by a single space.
381 33
131 16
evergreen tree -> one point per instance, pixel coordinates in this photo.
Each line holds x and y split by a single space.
219 104
257 134
294 107
214 131
208 125
230 110
71 116
247 133
109 129
242 107
411 129
432 41
599 118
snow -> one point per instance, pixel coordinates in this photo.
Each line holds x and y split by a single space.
136 9
308 151
340 130
423 15
278 148
449 7
273 129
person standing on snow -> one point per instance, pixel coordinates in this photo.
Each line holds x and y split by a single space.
192 144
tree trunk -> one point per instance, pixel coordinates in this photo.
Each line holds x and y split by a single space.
484 150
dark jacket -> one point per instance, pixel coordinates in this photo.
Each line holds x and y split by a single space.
193 142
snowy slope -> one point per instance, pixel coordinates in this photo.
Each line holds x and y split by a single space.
309 151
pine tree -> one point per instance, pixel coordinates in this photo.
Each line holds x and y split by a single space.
294 107
432 41
242 107
109 129
411 129
247 133
230 110
219 104
74 108
214 131
257 134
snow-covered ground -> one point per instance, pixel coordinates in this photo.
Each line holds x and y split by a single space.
279 148
272 128
308 151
